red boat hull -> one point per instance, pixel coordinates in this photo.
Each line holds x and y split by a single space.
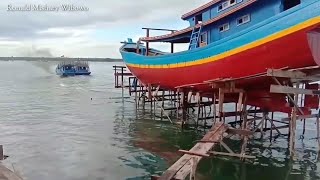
291 51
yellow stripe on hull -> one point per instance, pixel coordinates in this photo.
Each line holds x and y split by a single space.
226 54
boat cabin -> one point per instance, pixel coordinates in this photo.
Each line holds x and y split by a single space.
219 19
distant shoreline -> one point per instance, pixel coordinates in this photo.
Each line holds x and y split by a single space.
58 59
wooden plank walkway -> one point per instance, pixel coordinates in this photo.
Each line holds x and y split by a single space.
186 164
7 174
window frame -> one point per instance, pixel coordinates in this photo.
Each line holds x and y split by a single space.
229 4
206 37
243 18
223 26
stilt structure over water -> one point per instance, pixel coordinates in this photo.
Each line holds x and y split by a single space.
188 106
261 55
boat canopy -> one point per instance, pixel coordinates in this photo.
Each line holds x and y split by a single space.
74 63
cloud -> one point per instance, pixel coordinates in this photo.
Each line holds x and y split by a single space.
75 33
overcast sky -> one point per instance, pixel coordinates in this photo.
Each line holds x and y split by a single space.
93 33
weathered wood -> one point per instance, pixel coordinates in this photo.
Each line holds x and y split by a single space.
194 153
7 174
233 155
194 165
231 114
226 147
206 141
291 90
269 129
154 177
221 102
293 126
168 175
285 74
182 168
185 171
272 126
318 132
301 117
240 132
239 105
1 152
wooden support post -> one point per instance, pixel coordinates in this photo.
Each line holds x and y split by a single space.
162 105
293 126
271 124
264 117
179 102
214 108
244 127
221 102
185 109
115 76
205 116
239 105
1 152
199 110
318 130
136 96
143 94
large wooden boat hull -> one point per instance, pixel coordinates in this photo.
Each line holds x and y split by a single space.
291 51
283 42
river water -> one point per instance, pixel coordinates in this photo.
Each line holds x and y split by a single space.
81 128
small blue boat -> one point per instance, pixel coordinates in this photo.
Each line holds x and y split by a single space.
73 68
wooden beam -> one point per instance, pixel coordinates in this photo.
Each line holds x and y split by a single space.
240 132
291 90
301 117
207 141
226 147
285 74
159 29
232 155
194 153
154 177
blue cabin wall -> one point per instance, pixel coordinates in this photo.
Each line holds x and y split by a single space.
191 21
258 12
214 9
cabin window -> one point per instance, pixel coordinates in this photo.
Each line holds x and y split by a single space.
224 27
287 4
198 19
226 4
244 19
